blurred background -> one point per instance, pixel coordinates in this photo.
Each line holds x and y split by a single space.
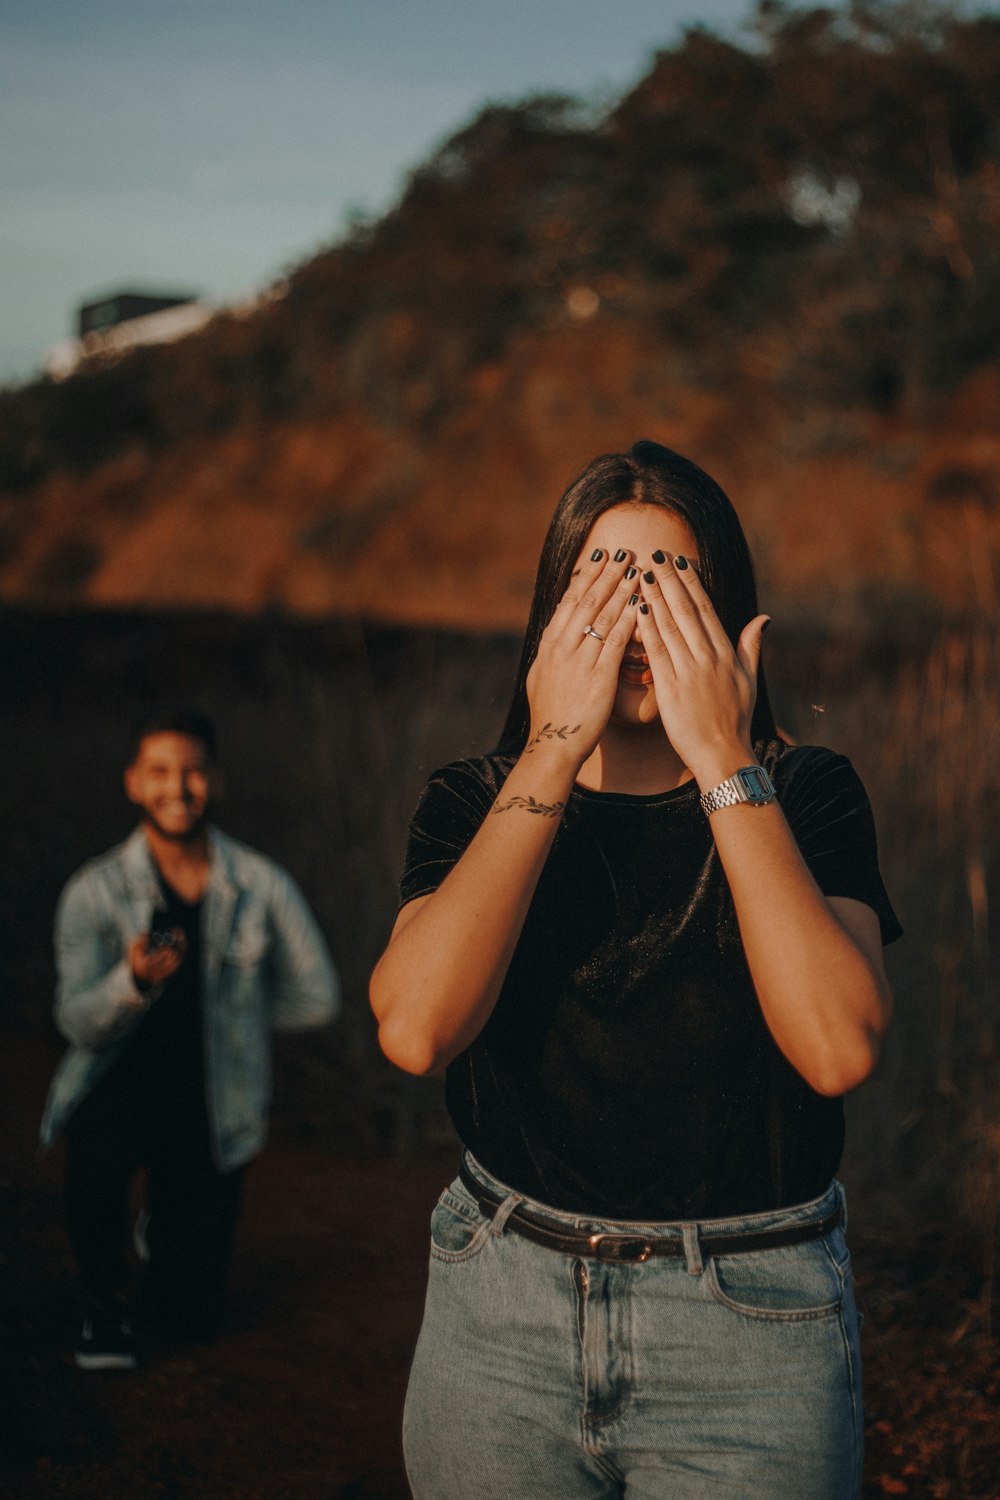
308 314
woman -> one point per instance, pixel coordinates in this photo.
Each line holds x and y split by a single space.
649 980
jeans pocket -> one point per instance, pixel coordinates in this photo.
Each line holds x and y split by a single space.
793 1283
458 1229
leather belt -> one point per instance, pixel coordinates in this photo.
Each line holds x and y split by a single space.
624 1248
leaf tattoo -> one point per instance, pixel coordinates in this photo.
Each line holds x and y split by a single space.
550 732
540 809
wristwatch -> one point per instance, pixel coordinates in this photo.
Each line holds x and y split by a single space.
749 784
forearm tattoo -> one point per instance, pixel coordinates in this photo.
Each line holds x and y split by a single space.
550 732
541 809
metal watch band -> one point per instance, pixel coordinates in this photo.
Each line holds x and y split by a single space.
748 784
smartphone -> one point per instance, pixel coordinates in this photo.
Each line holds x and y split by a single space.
162 939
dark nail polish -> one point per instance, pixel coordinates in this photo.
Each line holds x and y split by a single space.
634 600
621 555
649 577
680 563
644 609
597 555
764 626
659 557
631 572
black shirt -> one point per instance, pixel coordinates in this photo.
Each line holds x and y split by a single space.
627 1070
165 1054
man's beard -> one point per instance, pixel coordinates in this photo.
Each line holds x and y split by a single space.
188 836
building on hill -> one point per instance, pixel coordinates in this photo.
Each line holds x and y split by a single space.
124 307
109 326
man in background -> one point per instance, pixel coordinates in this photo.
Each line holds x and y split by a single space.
177 952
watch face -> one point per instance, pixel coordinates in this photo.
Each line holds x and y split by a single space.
757 783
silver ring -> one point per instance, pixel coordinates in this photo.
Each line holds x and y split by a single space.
589 630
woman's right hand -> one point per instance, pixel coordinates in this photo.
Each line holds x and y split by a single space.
573 680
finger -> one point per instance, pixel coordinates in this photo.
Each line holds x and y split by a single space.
684 623
594 606
608 618
166 963
749 645
619 633
669 637
661 663
583 578
586 584
687 575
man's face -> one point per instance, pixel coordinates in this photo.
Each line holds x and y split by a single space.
173 782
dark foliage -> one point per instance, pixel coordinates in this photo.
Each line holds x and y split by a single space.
829 191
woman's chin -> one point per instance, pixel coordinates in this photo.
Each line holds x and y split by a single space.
634 707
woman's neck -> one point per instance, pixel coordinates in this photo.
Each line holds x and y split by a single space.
637 759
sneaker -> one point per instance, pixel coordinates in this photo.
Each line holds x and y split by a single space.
105 1341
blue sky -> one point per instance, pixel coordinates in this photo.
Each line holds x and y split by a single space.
208 145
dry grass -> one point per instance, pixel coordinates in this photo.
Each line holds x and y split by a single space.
329 732
926 1129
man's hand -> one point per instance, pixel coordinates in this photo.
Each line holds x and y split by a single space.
153 964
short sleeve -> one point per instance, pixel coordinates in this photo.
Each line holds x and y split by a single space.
450 811
828 811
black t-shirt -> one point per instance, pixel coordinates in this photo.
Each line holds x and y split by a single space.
627 1070
164 1059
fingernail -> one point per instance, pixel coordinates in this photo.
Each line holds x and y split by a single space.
621 555
680 563
659 557
634 600
649 577
631 572
644 609
765 624
597 555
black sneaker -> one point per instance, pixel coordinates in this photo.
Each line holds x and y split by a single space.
105 1341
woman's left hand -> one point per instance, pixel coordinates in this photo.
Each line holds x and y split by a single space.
705 691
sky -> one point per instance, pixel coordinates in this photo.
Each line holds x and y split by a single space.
207 146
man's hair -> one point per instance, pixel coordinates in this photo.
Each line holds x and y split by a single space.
174 720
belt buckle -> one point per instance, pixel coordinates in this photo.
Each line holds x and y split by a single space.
628 1249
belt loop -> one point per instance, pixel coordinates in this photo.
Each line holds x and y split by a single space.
842 1198
503 1213
692 1249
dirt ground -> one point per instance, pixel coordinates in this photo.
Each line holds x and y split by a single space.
300 1398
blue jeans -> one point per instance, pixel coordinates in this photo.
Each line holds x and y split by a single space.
540 1376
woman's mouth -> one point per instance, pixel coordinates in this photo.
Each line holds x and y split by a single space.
635 671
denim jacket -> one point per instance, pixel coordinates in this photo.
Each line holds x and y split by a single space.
264 964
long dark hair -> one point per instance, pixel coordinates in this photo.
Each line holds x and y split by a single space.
648 474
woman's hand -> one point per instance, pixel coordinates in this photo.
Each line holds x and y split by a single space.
574 677
434 988
705 691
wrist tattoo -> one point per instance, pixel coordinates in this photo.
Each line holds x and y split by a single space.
550 732
541 809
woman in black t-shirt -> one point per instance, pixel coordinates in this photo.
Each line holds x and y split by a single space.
643 941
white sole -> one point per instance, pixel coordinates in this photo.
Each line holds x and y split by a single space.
105 1361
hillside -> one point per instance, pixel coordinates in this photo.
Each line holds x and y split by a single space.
781 258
